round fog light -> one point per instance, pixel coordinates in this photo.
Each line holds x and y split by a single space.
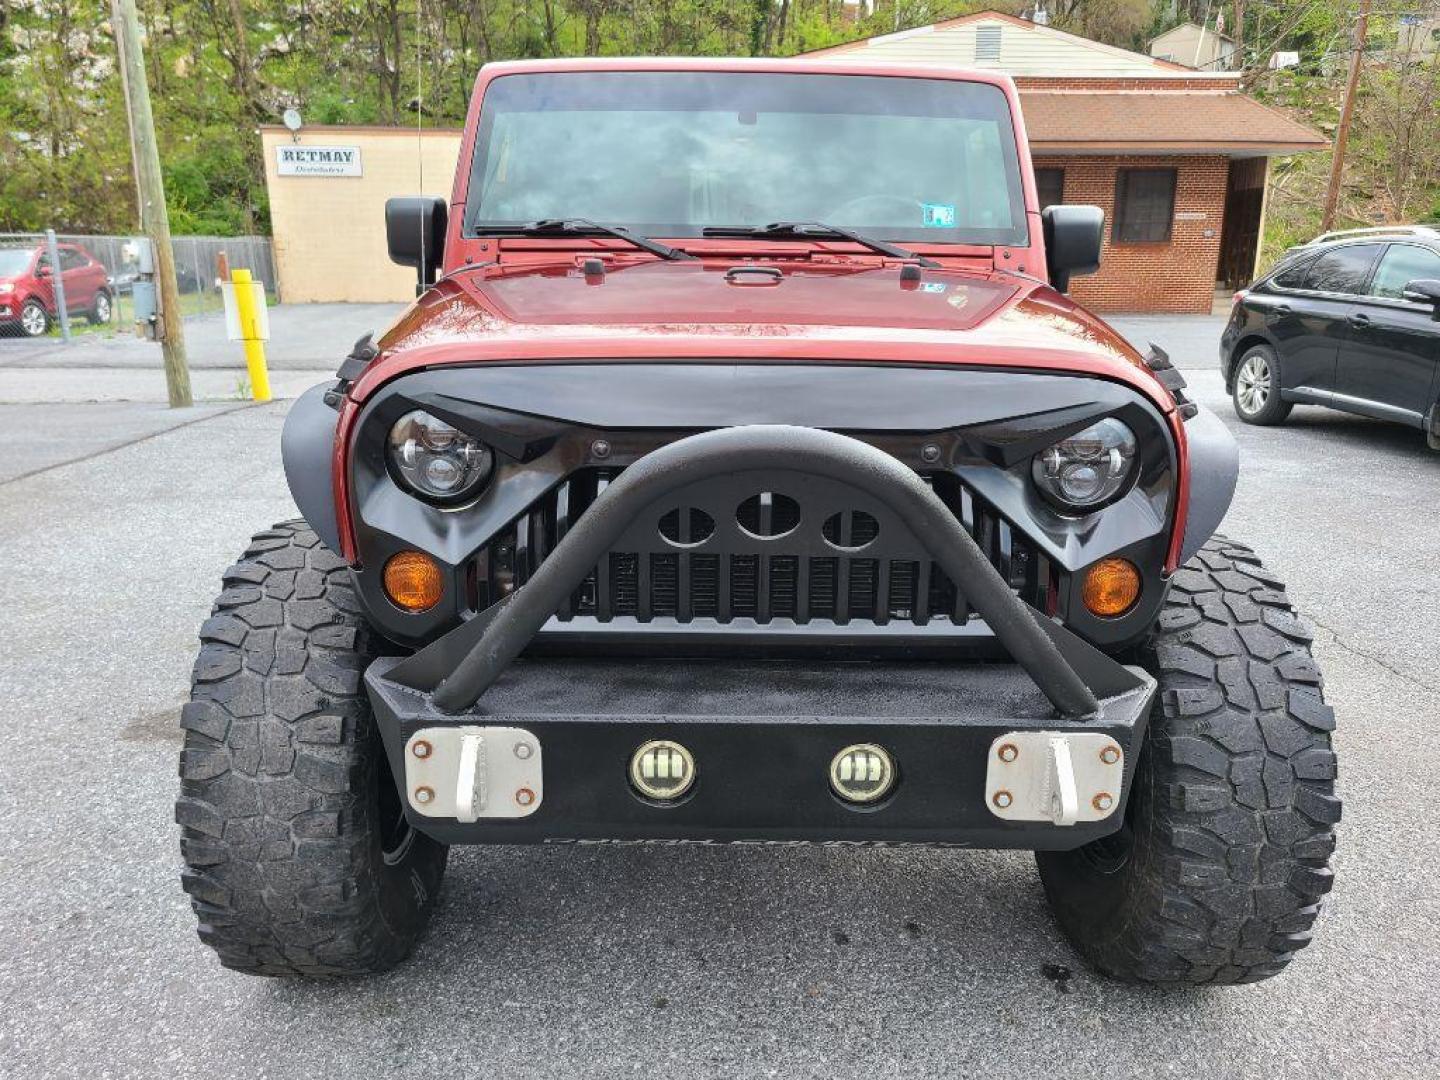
1112 586
413 581
862 773
662 770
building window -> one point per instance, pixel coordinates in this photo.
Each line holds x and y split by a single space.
1050 186
1144 206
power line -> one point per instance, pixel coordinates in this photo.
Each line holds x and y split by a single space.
1342 134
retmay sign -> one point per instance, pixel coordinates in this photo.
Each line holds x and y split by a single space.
317 160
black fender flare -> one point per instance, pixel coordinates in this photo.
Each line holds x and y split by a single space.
307 447
1214 467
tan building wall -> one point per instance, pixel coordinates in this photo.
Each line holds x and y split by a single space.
329 231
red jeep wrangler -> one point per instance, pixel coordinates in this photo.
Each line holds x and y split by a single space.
742 474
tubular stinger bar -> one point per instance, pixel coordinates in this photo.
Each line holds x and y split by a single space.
459 667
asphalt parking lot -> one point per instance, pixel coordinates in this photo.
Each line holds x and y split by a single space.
735 962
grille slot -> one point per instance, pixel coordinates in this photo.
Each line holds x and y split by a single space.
853 583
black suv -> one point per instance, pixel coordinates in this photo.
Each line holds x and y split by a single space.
1351 321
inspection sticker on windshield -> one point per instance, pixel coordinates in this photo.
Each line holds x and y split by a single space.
938 215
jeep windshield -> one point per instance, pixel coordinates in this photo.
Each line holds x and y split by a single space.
674 153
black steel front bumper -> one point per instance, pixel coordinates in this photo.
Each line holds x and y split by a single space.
762 734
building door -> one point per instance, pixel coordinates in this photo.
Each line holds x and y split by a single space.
1240 233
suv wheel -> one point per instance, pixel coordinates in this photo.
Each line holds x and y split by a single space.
34 319
100 310
1218 872
298 857
1256 392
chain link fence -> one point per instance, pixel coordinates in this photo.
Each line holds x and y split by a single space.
98 276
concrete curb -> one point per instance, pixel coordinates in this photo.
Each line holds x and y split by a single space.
60 385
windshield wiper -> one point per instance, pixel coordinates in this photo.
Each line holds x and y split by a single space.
575 225
819 228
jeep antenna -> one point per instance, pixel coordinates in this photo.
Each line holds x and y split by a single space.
420 124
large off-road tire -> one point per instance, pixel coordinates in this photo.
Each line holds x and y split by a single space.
298 860
1219 870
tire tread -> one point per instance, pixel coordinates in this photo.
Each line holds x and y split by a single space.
1237 808
280 752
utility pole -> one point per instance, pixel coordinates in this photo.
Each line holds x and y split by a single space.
129 124
1237 62
153 216
1347 108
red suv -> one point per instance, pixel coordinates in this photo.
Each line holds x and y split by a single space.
743 398
27 290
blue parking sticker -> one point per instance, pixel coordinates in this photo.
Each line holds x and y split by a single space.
938 215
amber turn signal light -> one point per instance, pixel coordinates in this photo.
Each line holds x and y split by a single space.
413 581
1111 587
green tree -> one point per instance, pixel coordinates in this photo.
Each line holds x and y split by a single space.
220 68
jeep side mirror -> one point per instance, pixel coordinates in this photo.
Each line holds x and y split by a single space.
1073 235
1423 291
415 233
42 271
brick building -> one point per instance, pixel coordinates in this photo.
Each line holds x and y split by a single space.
1178 158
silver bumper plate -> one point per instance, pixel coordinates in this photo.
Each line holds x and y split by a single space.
1056 776
472 773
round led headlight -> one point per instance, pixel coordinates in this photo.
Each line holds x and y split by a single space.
1084 471
437 461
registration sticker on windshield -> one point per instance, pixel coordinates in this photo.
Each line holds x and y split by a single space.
938 215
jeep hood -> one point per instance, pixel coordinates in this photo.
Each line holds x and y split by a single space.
708 310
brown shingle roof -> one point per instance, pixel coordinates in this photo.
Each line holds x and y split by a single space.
1156 121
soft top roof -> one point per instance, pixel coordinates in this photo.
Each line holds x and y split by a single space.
733 63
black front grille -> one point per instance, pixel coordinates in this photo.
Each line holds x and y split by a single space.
723 586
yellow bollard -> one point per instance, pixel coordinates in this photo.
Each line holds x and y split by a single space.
249 332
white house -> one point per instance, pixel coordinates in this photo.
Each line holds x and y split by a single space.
1195 46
